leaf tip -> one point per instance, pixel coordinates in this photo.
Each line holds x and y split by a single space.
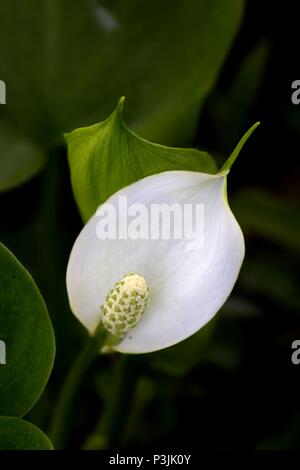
118 113
121 103
230 161
120 107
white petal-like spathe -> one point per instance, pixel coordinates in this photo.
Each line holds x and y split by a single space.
187 286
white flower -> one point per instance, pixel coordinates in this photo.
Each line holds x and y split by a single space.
186 287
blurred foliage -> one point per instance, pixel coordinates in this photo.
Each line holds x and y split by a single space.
234 377
69 62
231 110
269 216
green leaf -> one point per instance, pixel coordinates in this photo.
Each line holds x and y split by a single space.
26 336
17 434
75 59
269 216
106 157
20 159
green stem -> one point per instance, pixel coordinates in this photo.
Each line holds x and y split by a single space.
109 430
64 409
110 424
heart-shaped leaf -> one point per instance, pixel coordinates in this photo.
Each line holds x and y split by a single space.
17 434
107 157
66 63
27 340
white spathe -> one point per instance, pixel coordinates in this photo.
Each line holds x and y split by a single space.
187 287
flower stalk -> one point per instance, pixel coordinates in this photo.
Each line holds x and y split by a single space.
63 413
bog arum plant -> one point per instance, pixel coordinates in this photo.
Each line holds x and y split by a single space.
137 294
173 291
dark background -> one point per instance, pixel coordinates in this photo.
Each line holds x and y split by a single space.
233 385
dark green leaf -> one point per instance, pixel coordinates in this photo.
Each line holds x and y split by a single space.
26 334
77 58
16 434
